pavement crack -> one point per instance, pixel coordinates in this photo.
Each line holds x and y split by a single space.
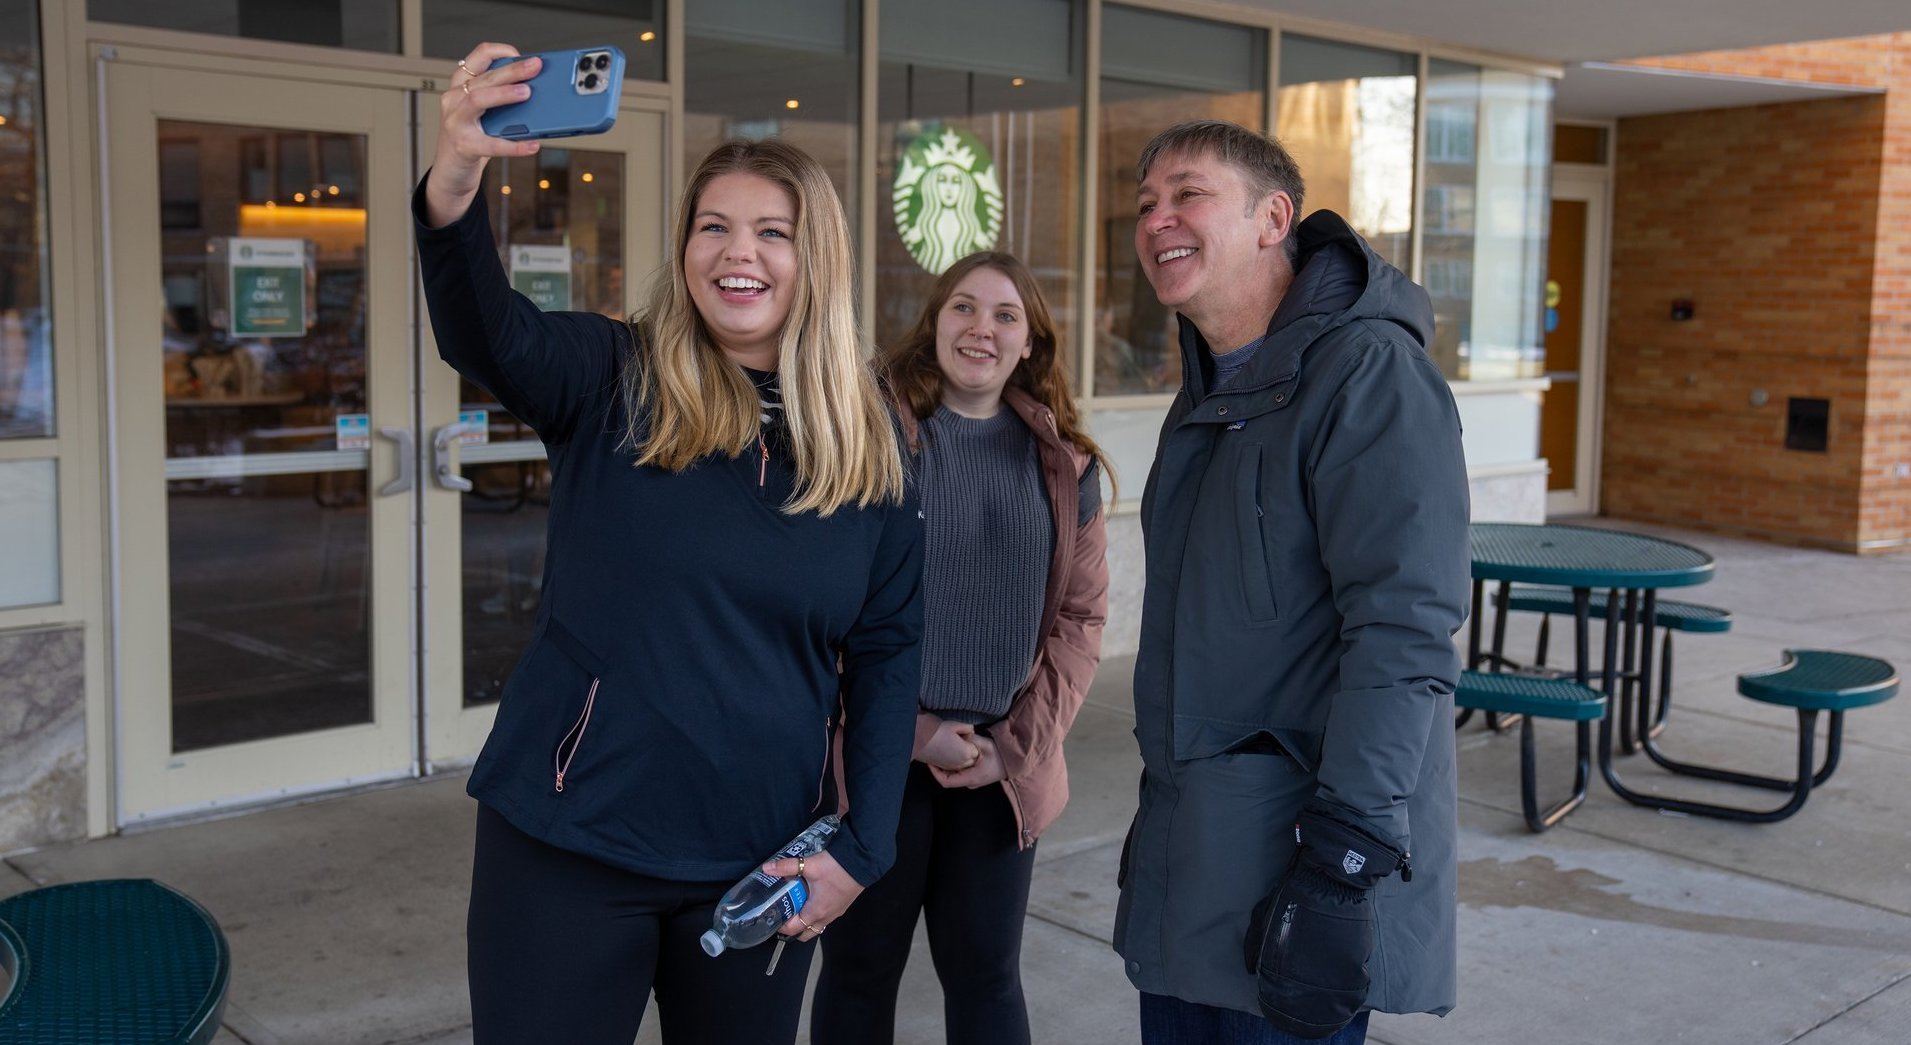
1813 1029
1067 928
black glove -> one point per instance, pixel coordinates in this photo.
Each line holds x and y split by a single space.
1309 941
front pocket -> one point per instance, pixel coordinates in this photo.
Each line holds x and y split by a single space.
1257 576
573 739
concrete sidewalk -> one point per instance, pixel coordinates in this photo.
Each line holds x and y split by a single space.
346 915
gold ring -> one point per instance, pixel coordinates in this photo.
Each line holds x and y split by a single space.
807 927
799 871
466 88
466 68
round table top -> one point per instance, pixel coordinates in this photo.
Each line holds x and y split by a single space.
1583 557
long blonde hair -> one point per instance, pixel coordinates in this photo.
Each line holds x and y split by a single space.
684 399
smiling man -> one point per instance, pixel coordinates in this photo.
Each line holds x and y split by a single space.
1292 863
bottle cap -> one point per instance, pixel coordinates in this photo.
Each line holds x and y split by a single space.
712 943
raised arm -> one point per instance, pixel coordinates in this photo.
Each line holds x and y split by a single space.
543 366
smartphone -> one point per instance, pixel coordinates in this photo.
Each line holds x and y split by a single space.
574 93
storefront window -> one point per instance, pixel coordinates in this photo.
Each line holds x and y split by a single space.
361 25
775 68
1157 70
1485 226
636 27
978 147
1347 114
26 337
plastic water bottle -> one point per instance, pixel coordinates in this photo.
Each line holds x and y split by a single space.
753 908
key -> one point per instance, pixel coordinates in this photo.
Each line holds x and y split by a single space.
775 956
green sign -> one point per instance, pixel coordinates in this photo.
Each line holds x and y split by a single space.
948 204
268 287
543 274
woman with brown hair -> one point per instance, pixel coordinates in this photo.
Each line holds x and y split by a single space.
733 556
1015 590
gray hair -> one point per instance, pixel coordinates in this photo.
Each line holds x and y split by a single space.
1260 158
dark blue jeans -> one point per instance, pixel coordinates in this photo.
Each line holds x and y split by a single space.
1171 1021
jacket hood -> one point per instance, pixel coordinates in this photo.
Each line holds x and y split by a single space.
1338 280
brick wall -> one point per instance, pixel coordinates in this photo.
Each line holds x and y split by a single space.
1789 226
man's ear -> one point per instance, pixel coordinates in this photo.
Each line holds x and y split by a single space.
1276 211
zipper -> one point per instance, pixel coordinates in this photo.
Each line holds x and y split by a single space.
575 737
763 461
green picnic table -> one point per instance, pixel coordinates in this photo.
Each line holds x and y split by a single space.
1631 568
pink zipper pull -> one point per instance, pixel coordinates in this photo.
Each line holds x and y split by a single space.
563 760
763 463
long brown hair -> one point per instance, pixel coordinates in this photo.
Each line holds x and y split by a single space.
693 401
910 364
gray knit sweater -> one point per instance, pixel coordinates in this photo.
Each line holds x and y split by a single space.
987 538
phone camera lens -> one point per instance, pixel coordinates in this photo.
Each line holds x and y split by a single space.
603 62
584 64
590 81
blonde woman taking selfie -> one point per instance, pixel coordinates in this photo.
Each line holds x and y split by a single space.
728 521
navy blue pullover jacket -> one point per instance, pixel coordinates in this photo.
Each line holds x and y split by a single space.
683 671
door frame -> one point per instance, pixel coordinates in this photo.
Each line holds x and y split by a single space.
151 782
1592 185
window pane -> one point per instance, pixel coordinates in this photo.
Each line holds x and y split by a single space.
263 267
30 532
26 337
1157 70
1485 235
362 25
782 68
1346 114
454 27
976 151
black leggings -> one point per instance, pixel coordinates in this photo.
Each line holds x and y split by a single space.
956 863
562 948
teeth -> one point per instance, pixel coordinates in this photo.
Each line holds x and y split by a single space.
974 353
1169 255
741 283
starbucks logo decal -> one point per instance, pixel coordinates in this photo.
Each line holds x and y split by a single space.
948 204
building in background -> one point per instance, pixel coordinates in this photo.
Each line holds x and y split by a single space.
257 542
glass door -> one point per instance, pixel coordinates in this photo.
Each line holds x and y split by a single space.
262 436
579 226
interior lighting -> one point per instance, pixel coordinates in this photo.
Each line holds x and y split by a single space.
588 177
298 197
791 104
331 190
544 183
1017 82
647 36
506 189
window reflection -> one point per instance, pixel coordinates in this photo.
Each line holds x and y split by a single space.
361 25
26 337
1346 113
636 27
999 111
1485 230
775 68
1157 70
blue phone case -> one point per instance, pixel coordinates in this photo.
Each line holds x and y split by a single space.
556 108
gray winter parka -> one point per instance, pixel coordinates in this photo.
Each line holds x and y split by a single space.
1307 567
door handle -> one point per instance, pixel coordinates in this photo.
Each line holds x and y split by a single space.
441 443
407 459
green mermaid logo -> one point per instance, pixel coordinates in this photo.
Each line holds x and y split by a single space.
948 204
